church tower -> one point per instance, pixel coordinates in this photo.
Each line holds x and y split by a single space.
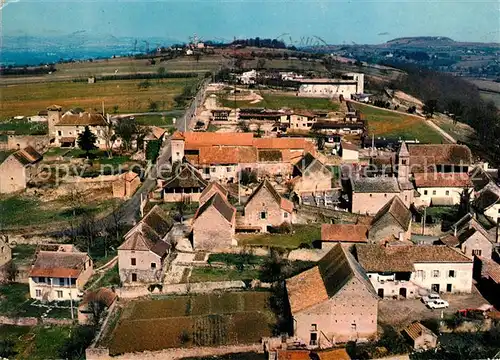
403 163
53 117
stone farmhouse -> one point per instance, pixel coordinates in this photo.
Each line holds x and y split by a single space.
332 302
65 128
348 85
144 251
59 275
310 175
409 271
212 188
214 224
18 169
470 237
420 337
265 208
391 223
369 195
222 156
186 184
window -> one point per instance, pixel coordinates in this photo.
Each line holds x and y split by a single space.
2 249
59 133
41 279
314 339
228 169
449 287
153 265
213 169
73 281
477 252
433 192
314 327
435 273
425 192
263 215
447 192
403 161
353 326
59 294
452 273
370 195
132 262
38 293
134 277
61 281
421 274
285 215
385 195
206 171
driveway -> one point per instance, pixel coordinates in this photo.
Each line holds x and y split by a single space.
400 313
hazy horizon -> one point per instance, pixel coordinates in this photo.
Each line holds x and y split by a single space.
334 22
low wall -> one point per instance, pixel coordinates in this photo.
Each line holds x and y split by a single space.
33 321
93 353
100 178
131 292
15 142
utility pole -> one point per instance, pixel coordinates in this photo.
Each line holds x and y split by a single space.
71 298
423 220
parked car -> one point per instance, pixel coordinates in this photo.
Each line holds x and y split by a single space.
438 304
430 297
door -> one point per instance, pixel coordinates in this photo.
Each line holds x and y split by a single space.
402 292
449 287
381 293
435 288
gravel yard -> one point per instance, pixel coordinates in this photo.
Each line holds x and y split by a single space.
400 313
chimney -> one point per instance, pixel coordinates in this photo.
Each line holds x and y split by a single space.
401 236
455 231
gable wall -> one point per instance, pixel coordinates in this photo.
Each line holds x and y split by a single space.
142 267
12 176
478 242
263 201
212 231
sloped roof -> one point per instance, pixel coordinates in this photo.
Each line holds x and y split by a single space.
344 233
186 177
403 150
311 165
217 187
450 240
397 210
82 119
436 179
27 156
424 157
376 185
284 204
488 196
401 258
195 140
220 204
283 143
221 155
469 222
158 220
270 155
129 176
103 295
348 146
416 329
325 280
491 269
59 264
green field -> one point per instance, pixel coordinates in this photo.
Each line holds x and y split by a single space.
207 274
35 343
23 127
382 122
278 101
198 320
302 234
29 98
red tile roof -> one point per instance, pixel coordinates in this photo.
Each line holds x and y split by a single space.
344 233
429 179
215 155
59 264
82 119
195 140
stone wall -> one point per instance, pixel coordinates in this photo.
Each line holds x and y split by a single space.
33 321
16 142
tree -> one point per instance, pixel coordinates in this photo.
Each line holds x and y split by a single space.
261 63
412 109
108 133
11 271
96 310
161 71
74 347
7 350
181 207
126 129
430 107
153 106
248 177
86 141
115 109
238 63
243 126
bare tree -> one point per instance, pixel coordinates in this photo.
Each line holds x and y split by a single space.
10 271
96 310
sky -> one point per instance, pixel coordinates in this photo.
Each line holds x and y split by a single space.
334 21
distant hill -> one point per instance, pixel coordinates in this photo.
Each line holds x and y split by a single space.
421 41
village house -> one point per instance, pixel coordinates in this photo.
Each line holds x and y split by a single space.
155 133
486 198
66 127
265 208
410 271
59 275
212 188
440 189
186 184
369 195
392 222
349 152
345 87
420 337
221 115
332 302
145 249
468 235
311 175
302 120
18 169
223 156
348 234
330 128
214 224
126 185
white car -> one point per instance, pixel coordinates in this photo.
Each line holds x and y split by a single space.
438 304
430 297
